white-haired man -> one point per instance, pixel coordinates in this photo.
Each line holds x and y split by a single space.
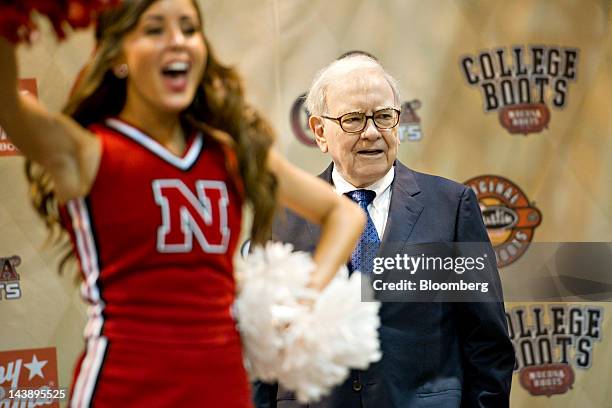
434 354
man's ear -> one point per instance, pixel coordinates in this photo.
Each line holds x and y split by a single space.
316 125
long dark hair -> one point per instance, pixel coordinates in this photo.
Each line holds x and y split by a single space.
218 109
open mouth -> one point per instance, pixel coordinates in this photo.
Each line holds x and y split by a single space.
176 69
175 75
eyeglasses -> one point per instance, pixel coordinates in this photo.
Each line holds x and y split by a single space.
355 122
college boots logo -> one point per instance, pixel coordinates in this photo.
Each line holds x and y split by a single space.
409 127
9 278
26 86
522 82
550 342
28 378
299 121
508 215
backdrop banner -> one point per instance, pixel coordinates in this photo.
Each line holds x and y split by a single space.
510 98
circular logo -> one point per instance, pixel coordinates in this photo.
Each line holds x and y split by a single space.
507 214
299 121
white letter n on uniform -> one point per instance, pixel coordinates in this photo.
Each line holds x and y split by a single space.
185 216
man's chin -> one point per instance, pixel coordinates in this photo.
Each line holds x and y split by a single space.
370 175
375 170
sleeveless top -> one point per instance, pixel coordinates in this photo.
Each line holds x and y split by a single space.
155 238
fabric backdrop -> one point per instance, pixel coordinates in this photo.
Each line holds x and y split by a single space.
511 97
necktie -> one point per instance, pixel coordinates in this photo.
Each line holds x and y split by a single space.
362 257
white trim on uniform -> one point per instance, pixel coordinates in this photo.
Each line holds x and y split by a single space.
86 248
155 147
88 255
96 344
88 373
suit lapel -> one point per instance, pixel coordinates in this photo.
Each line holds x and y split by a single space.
404 209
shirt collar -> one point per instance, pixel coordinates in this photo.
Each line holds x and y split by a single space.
379 186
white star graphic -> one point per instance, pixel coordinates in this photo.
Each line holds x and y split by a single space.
35 367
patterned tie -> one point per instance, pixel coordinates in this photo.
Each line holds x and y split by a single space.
362 258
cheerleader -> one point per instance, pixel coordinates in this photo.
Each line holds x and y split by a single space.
148 169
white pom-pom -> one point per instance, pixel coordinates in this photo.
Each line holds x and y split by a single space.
305 340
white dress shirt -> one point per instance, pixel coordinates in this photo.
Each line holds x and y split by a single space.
379 208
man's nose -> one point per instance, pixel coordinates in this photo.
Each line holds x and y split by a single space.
370 131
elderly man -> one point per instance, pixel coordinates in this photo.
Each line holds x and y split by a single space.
434 354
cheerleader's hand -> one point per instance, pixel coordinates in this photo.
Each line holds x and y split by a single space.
308 340
17 25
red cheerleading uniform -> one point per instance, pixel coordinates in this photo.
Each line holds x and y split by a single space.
155 238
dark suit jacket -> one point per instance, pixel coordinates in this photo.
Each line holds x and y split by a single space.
434 354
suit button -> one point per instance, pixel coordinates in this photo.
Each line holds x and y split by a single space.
357 386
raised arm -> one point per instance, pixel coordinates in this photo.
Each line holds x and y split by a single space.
67 151
341 220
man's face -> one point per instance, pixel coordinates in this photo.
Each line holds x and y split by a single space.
365 157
